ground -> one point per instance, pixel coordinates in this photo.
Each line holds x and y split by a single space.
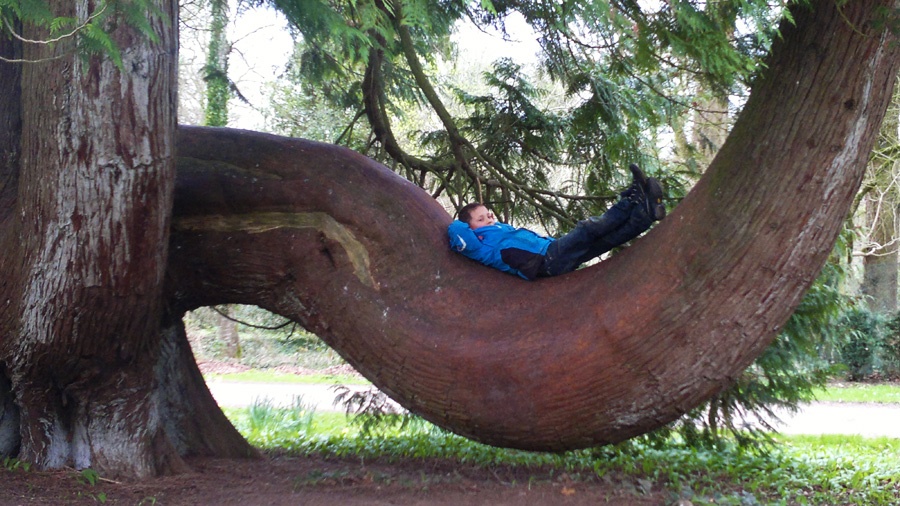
282 480
277 479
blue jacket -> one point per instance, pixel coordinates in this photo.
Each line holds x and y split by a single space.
515 250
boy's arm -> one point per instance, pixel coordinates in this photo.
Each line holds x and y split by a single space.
463 240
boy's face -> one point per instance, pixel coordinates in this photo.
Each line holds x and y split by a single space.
481 217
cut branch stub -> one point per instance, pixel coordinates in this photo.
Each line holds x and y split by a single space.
593 357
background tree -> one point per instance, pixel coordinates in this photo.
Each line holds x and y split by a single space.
218 86
880 200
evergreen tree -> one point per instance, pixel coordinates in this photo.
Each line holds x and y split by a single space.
628 72
217 83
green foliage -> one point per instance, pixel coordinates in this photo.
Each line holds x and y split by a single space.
267 425
860 349
92 35
33 11
323 113
871 347
624 73
14 464
89 476
890 347
375 413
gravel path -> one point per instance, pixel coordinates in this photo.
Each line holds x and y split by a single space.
869 420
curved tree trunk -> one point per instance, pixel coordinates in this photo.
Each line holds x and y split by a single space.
360 257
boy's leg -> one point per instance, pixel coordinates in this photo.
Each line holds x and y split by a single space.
596 235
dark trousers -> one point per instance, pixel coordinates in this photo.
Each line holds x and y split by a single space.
595 236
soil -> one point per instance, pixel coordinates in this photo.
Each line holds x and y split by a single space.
285 480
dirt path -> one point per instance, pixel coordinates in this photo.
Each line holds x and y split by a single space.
869 420
315 481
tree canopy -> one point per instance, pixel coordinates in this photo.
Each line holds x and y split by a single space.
629 74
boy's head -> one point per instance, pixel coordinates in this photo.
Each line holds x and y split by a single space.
476 215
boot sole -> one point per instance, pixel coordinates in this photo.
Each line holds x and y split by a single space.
654 199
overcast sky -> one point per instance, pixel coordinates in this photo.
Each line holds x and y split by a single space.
262 47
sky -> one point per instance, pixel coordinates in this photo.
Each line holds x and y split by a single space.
262 47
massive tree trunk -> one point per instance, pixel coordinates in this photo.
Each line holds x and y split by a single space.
85 249
360 257
94 197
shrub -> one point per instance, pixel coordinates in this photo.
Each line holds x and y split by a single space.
860 350
890 347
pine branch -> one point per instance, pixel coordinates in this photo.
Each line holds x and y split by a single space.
71 34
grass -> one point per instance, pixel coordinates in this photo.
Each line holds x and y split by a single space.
798 470
882 393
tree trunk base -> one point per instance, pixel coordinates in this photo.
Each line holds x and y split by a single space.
193 420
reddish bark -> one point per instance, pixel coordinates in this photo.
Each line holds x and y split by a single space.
86 248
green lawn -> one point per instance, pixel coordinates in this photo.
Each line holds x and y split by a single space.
886 393
821 470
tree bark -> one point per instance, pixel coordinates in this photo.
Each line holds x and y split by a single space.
192 419
9 419
227 332
880 268
94 202
359 256
10 135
